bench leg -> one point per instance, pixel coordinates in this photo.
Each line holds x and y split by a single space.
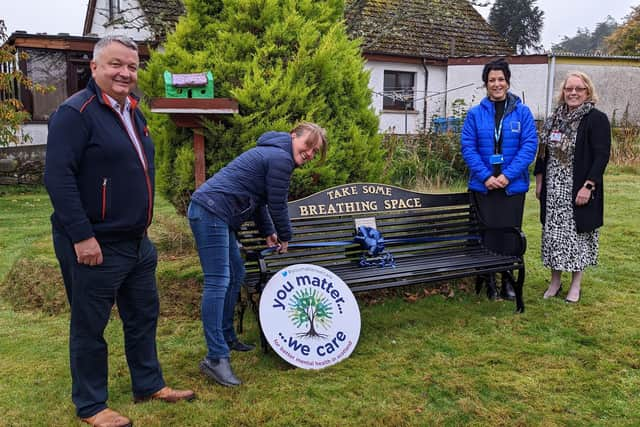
517 287
480 279
241 308
255 307
492 290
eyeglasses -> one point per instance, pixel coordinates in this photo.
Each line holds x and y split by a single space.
576 89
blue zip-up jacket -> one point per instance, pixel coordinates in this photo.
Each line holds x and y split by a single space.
96 181
255 185
519 144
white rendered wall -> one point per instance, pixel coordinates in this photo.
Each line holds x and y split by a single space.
37 131
528 81
617 87
132 14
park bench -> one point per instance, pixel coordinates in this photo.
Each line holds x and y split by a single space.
430 238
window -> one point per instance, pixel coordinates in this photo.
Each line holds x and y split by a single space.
49 69
398 90
78 73
64 72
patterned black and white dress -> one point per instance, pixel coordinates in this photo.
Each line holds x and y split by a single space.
563 248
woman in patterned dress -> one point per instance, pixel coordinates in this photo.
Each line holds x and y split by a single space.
574 152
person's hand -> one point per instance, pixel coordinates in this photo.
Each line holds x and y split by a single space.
502 180
88 252
283 247
492 183
272 240
583 197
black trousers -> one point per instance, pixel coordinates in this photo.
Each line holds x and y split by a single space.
127 278
496 210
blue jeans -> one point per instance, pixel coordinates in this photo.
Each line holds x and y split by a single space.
126 277
223 270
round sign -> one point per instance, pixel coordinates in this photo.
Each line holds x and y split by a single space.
309 316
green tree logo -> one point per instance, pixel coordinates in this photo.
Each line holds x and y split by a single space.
309 308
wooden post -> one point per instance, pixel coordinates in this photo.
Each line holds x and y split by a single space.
198 151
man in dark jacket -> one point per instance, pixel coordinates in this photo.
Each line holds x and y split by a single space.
100 174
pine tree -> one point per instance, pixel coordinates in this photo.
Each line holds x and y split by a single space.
519 21
284 61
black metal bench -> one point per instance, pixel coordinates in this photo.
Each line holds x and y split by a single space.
432 238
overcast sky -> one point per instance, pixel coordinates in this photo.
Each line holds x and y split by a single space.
561 17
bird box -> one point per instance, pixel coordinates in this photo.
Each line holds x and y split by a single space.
194 85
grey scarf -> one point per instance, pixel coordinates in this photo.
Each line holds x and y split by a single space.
566 123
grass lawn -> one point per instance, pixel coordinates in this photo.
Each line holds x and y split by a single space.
460 360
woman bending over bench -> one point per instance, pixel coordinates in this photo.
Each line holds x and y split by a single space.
254 186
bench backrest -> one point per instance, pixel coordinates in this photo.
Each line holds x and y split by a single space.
334 214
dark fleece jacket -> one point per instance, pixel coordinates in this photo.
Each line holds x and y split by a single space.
97 183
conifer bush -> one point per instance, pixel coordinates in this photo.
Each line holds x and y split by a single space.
284 61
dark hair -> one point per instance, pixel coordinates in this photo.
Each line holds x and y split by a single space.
496 65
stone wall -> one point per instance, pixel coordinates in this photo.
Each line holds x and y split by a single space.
22 164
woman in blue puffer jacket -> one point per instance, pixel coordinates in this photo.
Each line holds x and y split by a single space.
499 142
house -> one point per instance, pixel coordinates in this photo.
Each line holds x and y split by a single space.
425 58
148 20
407 45
60 61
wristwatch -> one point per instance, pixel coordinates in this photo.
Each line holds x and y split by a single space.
589 186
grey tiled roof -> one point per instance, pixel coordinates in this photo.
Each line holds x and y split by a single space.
418 28
423 28
162 15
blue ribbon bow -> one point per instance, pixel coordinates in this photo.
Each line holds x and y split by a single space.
370 239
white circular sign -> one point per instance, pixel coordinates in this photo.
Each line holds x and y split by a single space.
309 316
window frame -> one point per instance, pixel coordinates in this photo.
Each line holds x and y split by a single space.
391 104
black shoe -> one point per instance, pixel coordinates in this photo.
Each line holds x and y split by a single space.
506 290
237 345
547 295
220 371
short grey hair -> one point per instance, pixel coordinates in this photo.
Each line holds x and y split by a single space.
114 38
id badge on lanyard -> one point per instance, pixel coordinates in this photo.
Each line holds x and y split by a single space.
555 136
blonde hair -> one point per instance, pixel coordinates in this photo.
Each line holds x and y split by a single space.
318 135
592 96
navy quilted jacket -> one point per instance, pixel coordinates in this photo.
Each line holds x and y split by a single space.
255 185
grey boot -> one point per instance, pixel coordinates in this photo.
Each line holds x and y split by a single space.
220 371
